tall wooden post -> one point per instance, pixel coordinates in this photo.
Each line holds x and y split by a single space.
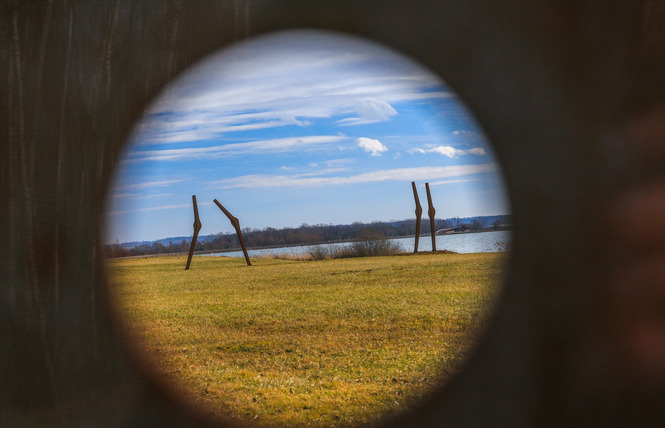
236 226
197 227
431 212
419 213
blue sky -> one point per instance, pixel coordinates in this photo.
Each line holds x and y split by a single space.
301 127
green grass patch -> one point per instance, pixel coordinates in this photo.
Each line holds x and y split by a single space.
309 343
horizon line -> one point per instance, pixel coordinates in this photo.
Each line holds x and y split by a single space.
310 225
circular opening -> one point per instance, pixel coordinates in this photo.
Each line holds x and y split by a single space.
316 148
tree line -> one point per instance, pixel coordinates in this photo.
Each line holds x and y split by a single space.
306 234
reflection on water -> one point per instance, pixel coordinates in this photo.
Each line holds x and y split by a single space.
485 242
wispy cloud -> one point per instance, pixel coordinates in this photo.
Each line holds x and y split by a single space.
370 145
178 126
466 180
370 110
149 185
252 87
450 151
398 174
157 195
278 145
466 133
158 208
340 162
324 171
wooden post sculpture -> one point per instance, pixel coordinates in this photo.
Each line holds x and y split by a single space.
430 212
197 227
419 213
236 226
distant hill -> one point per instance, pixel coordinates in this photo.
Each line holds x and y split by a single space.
166 241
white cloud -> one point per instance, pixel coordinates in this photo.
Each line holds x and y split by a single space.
159 208
322 172
466 180
159 195
465 133
253 86
278 145
450 151
478 151
399 174
370 110
370 145
416 150
339 162
178 126
149 184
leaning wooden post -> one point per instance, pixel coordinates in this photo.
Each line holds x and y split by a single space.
419 213
197 227
236 226
430 212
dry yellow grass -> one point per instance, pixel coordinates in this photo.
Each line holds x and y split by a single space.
309 343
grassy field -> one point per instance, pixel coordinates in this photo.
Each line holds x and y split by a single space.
308 343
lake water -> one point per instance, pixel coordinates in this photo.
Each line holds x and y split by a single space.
485 242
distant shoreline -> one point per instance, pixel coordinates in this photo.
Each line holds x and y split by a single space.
269 247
